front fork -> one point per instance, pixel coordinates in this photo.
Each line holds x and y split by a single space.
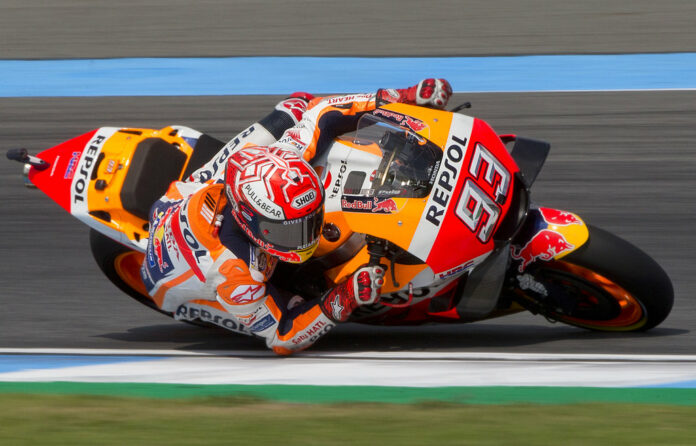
547 234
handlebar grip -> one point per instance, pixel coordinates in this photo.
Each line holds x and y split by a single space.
374 259
23 156
20 155
377 248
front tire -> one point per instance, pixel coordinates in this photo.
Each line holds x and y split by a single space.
606 285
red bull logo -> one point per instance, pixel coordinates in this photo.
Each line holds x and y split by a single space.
557 217
157 247
405 121
545 245
414 124
387 206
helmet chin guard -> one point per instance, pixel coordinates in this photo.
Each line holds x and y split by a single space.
277 199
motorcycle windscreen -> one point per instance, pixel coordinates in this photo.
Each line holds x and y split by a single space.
408 160
441 203
390 170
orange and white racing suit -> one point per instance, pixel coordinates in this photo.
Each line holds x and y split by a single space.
196 269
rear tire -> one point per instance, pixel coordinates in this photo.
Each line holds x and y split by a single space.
121 265
606 285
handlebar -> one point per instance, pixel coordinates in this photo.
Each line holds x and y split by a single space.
461 107
377 248
23 156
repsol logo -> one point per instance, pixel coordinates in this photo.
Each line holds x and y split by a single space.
82 177
339 179
446 180
192 313
212 167
188 235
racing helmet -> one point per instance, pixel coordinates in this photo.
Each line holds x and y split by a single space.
277 199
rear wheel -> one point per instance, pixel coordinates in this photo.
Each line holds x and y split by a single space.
122 266
607 285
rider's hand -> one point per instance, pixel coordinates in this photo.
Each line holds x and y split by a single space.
307 97
362 288
433 93
368 284
429 92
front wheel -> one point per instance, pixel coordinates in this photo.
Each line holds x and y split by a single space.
606 285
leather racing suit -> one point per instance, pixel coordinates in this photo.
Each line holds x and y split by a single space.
200 265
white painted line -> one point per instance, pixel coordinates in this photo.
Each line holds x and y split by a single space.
135 352
367 355
322 371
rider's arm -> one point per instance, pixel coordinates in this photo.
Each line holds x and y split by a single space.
265 313
288 328
286 113
324 121
335 115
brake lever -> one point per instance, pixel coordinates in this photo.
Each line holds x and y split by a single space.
461 107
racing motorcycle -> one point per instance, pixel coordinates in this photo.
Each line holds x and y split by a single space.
436 196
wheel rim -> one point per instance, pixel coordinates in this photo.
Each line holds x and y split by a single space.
602 304
127 266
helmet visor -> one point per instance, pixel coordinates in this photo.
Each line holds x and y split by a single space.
291 235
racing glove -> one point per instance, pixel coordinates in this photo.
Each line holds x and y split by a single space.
307 97
429 92
362 288
295 106
286 114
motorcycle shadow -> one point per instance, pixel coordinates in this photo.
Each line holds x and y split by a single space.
496 337
183 336
465 337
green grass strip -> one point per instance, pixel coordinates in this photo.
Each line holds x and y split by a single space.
398 395
34 419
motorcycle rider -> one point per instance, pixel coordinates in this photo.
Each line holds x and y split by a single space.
215 239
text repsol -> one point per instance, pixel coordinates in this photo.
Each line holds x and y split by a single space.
447 179
80 185
339 179
184 312
188 235
211 168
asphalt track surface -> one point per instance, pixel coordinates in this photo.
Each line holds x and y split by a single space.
624 161
66 29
